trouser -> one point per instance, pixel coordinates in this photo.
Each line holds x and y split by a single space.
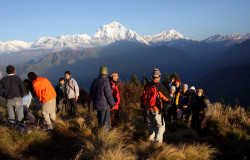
49 111
72 106
186 114
169 113
29 117
196 123
15 108
155 126
60 105
114 117
103 118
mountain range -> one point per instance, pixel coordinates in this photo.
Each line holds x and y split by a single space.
108 34
218 64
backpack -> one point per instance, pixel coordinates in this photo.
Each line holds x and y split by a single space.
150 96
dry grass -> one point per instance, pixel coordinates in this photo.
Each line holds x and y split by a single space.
15 144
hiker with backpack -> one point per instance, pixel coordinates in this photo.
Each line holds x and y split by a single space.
72 93
170 108
116 95
102 97
12 89
61 95
29 118
152 100
47 96
201 113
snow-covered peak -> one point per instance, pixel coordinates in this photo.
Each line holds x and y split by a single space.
64 41
13 46
113 32
165 36
220 38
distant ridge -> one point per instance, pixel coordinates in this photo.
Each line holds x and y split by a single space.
108 34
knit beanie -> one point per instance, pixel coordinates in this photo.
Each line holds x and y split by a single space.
172 88
103 70
156 73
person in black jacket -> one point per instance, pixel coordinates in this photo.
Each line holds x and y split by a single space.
200 112
102 97
13 90
60 95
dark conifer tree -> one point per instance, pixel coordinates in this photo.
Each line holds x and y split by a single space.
134 80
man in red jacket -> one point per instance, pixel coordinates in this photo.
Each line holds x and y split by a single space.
115 111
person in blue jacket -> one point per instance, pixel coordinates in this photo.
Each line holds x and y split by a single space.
102 97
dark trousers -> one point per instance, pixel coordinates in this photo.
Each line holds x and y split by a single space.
103 118
169 113
114 117
196 123
72 106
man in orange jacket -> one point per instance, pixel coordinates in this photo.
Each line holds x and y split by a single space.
47 96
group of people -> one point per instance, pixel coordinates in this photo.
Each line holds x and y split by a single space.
161 103
63 97
173 102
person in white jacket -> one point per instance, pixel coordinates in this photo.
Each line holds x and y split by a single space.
72 93
28 116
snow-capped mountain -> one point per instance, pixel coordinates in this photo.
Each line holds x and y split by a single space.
220 38
115 32
64 41
13 46
107 34
165 36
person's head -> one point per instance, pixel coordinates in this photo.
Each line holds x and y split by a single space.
32 76
67 74
172 89
156 75
184 88
192 90
114 76
103 71
10 69
199 92
177 83
27 85
61 81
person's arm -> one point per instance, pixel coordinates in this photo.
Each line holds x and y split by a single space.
118 96
21 87
38 91
207 113
177 100
108 94
76 87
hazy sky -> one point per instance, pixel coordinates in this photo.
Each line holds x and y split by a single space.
28 20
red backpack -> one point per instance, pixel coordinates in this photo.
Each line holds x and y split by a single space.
150 96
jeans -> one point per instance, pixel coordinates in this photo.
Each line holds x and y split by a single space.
15 108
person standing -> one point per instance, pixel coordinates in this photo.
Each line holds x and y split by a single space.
102 97
47 96
170 108
72 93
153 95
60 95
201 113
116 95
29 118
12 88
